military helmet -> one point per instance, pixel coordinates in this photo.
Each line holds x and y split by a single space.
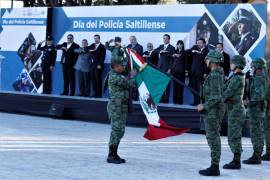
268 64
239 61
215 57
118 61
258 63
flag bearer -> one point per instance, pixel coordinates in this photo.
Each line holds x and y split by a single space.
117 108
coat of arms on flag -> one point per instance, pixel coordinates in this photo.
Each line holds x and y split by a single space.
151 85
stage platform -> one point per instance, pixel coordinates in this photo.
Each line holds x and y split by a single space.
94 109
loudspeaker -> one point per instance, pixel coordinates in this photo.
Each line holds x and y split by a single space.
56 110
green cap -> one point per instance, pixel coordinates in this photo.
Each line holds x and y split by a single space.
117 39
258 63
239 61
118 60
215 57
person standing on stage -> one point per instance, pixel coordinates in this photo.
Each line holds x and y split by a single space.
150 55
68 61
179 67
198 67
117 49
226 63
47 63
165 51
83 67
98 53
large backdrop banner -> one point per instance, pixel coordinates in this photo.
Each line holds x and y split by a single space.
20 31
214 23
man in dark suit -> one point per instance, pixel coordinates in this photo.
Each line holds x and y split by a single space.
68 60
226 61
135 45
48 63
165 61
98 53
150 55
198 67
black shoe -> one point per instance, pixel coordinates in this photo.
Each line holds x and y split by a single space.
213 170
113 160
232 165
113 156
266 157
63 94
235 163
117 156
255 159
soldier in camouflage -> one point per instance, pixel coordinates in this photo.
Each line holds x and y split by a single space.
213 110
266 156
117 49
117 108
256 107
233 97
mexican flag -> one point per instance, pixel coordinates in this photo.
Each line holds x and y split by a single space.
151 86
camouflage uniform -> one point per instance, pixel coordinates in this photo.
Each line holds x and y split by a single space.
116 52
118 105
267 117
233 97
212 90
213 111
117 108
256 109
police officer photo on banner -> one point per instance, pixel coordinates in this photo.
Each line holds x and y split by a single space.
30 79
243 29
207 30
28 52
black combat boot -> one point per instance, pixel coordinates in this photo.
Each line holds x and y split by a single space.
266 156
213 170
254 159
235 163
112 158
118 157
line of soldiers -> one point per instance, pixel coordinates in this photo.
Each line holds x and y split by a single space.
219 97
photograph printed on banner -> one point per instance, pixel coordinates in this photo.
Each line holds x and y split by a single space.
267 54
36 75
207 30
242 30
23 83
28 52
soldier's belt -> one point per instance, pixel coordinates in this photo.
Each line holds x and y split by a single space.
119 101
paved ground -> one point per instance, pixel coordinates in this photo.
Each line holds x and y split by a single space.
38 148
